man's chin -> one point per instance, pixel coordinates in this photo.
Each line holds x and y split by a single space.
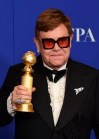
56 65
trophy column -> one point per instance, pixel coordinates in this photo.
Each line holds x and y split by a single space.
29 59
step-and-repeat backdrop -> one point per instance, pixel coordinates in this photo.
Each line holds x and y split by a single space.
17 22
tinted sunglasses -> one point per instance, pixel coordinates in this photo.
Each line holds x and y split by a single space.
49 43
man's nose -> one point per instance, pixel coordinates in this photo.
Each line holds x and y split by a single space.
56 47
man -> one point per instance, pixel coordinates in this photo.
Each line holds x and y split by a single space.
65 103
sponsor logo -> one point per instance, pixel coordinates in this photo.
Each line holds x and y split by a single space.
83 35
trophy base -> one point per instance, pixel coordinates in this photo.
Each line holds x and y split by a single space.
26 107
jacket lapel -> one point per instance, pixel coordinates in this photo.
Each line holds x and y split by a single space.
41 98
72 100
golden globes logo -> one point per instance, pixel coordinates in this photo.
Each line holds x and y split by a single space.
82 35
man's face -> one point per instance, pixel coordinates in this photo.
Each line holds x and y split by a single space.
55 57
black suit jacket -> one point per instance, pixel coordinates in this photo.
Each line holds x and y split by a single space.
79 114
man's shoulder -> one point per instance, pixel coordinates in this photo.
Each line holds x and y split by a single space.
16 69
79 66
17 66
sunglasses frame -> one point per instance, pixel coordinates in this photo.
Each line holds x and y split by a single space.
67 37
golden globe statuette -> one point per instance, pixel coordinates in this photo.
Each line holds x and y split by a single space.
29 59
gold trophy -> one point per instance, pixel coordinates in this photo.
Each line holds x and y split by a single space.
29 59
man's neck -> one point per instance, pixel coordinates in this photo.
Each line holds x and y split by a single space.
60 68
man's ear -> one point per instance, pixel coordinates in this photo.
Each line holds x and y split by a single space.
71 37
37 44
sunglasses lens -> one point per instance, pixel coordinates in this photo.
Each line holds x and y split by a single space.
48 43
64 42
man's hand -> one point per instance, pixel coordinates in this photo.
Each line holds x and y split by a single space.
20 94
